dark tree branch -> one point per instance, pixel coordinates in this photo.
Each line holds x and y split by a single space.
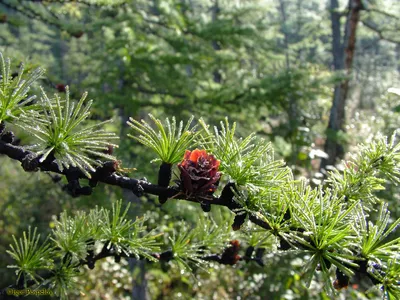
228 257
107 174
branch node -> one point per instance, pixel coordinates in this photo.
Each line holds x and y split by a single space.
166 255
30 163
2 127
205 206
238 221
138 190
8 137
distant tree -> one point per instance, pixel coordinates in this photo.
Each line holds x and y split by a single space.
343 52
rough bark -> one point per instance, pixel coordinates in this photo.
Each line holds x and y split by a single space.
343 54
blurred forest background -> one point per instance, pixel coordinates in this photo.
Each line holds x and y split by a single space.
274 67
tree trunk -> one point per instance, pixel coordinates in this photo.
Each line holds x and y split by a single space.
343 54
282 8
215 10
398 57
292 108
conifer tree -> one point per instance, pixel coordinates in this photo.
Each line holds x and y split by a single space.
333 225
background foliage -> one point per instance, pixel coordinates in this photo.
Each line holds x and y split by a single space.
265 64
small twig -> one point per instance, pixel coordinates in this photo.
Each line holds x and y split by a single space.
379 32
84 2
385 13
28 12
